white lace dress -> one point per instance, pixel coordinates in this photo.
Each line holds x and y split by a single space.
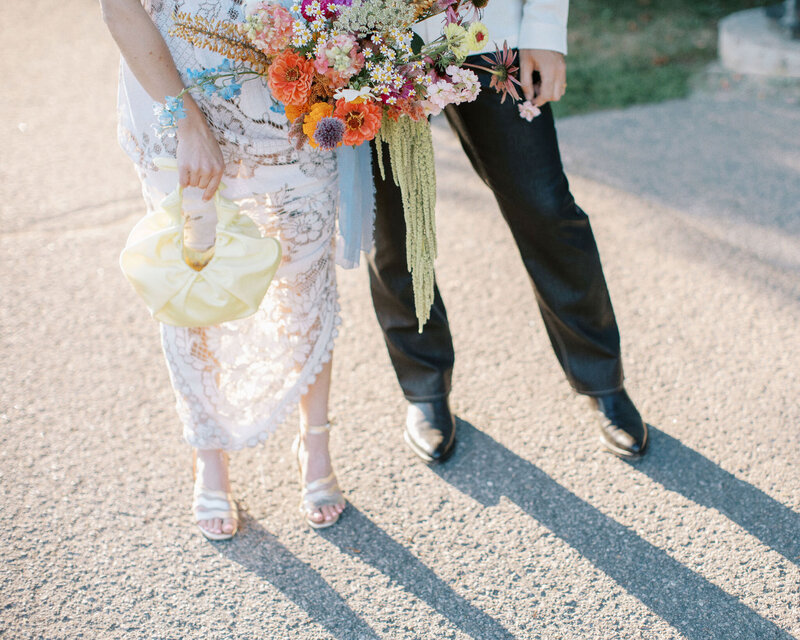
235 383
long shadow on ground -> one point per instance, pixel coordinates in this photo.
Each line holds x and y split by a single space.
678 468
379 550
487 471
259 551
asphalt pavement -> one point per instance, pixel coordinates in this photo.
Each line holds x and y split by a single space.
529 531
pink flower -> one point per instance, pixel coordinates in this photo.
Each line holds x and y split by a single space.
502 70
451 16
455 86
269 27
438 95
430 109
339 58
443 93
466 82
528 110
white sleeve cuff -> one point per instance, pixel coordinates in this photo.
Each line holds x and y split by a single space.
539 35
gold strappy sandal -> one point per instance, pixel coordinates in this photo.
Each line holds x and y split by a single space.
317 493
209 504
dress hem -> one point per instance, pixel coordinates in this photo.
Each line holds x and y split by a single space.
290 403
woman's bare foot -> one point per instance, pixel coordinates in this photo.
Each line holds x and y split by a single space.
211 474
319 483
315 462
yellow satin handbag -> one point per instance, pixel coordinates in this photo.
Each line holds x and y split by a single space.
230 286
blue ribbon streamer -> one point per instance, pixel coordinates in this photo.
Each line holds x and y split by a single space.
356 204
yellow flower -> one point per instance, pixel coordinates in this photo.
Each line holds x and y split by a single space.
457 39
477 36
318 111
293 112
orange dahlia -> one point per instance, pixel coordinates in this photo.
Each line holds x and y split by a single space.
361 119
318 111
290 77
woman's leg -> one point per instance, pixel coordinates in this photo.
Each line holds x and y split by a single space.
314 456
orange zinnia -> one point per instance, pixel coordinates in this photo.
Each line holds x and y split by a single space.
290 78
361 120
294 112
318 111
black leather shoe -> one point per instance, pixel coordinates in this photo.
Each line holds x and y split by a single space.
622 430
431 430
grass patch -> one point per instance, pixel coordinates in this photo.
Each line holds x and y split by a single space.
636 51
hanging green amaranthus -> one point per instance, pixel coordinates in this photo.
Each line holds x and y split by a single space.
411 162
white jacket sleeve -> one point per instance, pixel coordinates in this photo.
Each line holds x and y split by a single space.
544 25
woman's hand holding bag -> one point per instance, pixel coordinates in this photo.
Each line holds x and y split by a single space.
230 286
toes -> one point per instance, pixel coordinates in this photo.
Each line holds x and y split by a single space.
317 516
331 512
218 525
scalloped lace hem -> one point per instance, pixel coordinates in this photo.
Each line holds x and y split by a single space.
323 352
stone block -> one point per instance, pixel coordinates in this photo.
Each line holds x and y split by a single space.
752 43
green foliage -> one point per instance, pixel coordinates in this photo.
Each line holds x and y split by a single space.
636 51
416 44
411 161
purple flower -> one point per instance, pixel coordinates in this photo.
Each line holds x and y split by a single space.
329 133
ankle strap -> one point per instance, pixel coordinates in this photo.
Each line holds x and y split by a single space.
315 429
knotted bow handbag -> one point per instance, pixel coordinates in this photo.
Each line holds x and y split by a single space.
229 286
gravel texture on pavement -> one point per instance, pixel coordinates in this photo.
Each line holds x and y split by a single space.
529 531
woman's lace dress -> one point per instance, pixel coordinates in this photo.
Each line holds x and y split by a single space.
235 383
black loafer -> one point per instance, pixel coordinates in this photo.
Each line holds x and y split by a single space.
431 430
622 430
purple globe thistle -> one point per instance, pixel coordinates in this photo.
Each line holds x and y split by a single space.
329 132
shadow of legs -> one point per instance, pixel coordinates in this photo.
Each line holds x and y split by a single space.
486 471
259 551
678 468
382 552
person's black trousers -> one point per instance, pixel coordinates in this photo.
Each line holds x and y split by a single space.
521 163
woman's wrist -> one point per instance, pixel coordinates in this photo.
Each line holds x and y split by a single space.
194 120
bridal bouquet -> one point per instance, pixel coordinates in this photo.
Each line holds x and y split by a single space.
346 72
